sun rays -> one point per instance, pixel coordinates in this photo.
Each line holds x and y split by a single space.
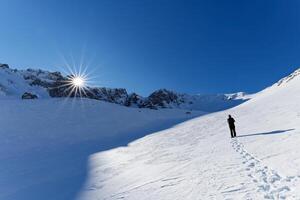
78 82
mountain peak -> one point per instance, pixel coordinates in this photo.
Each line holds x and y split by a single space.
288 78
44 84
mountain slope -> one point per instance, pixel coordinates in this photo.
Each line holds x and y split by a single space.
14 83
44 144
198 160
54 148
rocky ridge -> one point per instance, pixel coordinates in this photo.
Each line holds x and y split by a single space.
53 84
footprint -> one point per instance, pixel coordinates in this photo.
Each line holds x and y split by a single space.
251 165
290 178
274 178
264 187
269 181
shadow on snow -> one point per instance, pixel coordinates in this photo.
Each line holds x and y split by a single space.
267 133
59 170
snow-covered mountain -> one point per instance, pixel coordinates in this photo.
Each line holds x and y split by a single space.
14 83
205 102
198 160
288 78
86 149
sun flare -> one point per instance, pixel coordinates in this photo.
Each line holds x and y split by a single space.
78 81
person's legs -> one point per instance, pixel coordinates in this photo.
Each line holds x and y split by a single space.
234 133
231 132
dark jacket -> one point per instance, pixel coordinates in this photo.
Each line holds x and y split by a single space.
231 121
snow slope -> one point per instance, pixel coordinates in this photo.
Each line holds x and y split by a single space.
45 143
13 85
78 149
198 160
213 102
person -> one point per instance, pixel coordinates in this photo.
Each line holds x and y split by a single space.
231 121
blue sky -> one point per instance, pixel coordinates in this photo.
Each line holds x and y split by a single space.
187 46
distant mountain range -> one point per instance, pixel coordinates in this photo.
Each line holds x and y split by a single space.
44 84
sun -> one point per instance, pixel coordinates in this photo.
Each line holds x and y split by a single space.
78 81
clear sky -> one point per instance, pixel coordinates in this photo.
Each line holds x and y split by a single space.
188 46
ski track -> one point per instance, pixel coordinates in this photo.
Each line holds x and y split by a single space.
269 182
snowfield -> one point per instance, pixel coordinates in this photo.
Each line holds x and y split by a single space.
45 144
198 160
61 149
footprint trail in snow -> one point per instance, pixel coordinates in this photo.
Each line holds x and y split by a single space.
269 182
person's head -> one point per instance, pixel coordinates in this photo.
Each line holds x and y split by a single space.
229 116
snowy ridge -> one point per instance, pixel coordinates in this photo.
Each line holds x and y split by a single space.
288 78
213 102
86 149
239 95
14 83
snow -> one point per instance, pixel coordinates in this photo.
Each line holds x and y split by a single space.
88 150
45 143
13 85
198 160
213 102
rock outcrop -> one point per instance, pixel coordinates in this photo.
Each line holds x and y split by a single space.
33 83
28 95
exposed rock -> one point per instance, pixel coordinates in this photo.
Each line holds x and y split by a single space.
163 99
4 66
28 95
42 78
60 89
118 95
134 100
44 84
